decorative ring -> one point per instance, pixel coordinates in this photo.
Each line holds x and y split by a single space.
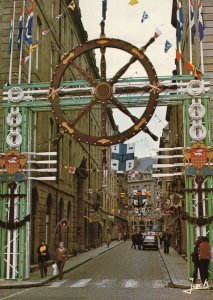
196 111
195 88
14 119
15 94
197 132
14 139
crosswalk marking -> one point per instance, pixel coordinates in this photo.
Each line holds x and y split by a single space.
130 283
81 283
110 283
105 283
56 284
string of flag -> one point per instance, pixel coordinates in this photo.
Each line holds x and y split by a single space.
29 27
189 66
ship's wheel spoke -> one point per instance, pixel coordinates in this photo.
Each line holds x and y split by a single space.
85 110
122 70
85 74
123 109
103 64
103 118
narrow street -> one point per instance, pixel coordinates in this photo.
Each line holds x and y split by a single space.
121 273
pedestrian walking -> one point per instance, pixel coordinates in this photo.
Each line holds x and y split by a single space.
195 259
43 257
161 238
61 257
125 236
119 236
109 238
134 240
166 241
139 240
204 259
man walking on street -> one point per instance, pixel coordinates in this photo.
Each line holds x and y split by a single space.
166 241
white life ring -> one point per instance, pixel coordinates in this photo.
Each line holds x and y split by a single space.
14 119
195 88
15 94
196 111
197 132
14 139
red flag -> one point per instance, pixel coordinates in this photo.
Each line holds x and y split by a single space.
24 60
178 55
189 66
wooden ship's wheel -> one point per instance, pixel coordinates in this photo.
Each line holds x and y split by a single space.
103 92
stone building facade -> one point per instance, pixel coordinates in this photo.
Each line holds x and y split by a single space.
71 196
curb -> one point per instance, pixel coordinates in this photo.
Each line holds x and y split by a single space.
37 283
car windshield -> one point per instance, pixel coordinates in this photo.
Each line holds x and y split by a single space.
149 237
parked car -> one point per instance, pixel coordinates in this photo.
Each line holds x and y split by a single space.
150 242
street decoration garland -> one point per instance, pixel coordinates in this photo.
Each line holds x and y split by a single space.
14 224
200 221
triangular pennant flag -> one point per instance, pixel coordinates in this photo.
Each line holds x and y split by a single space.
32 48
144 17
72 170
71 5
178 55
157 33
45 32
58 17
189 66
197 74
168 45
133 2
24 60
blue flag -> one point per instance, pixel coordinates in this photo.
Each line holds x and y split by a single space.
200 20
104 9
122 157
180 20
168 45
29 25
20 28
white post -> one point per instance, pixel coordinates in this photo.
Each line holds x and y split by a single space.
21 49
12 38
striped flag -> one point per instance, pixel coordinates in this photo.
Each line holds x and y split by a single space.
29 24
180 20
20 27
192 23
200 20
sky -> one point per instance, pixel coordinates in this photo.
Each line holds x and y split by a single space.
123 21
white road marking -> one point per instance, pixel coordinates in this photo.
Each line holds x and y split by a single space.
130 283
105 283
56 284
81 283
15 294
158 284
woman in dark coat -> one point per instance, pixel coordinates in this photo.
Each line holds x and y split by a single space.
43 257
195 260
